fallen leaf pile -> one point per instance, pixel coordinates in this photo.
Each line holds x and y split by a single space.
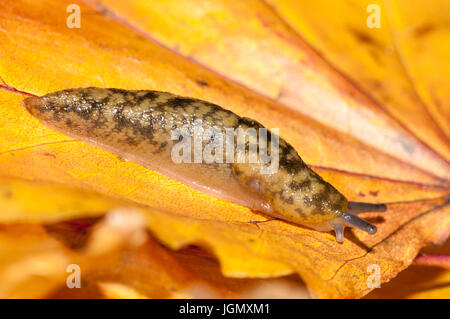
366 108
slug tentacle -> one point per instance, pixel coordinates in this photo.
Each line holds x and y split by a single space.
359 207
339 230
350 220
147 127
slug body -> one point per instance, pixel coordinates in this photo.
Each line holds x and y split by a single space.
139 126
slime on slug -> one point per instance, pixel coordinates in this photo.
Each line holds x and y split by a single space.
138 126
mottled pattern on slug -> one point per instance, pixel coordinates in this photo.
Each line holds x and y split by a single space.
295 191
137 124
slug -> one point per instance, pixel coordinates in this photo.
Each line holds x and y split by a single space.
139 126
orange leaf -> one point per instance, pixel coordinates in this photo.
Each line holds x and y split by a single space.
115 256
419 281
369 147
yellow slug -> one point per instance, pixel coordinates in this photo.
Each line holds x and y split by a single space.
139 126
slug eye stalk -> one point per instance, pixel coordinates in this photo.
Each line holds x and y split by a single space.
350 220
360 207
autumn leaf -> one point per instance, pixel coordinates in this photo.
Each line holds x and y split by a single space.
422 280
349 99
117 258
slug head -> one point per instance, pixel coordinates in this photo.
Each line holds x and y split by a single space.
318 205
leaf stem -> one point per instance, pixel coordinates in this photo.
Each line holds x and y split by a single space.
442 261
